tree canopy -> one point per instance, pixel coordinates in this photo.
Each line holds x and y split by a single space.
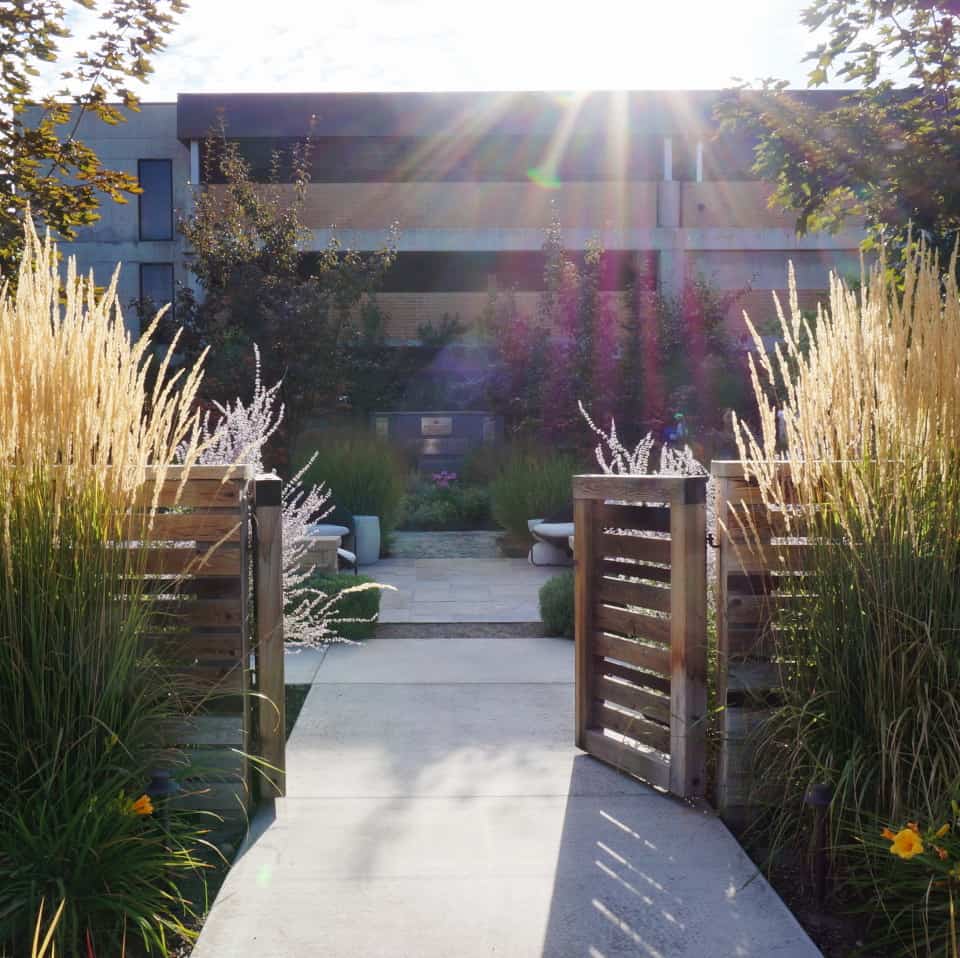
886 152
310 313
44 164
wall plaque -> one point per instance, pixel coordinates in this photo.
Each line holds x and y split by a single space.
436 426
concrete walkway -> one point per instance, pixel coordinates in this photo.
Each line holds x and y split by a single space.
461 589
436 809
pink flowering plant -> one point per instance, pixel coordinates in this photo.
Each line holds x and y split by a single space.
443 479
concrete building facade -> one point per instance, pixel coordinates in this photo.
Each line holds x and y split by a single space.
472 180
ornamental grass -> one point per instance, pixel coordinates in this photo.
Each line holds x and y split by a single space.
84 410
868 644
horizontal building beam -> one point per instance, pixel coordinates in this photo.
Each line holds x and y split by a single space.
501 240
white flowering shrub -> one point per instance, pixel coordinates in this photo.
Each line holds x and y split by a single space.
614 458
239 435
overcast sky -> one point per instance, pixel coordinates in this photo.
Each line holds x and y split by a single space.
287 45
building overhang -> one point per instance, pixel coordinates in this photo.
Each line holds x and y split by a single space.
526 113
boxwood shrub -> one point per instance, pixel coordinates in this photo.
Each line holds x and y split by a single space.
556 605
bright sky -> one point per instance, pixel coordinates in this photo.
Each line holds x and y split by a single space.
315 45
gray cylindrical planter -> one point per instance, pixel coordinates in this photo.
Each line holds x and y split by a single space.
367 532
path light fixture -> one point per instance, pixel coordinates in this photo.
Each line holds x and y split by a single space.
819 798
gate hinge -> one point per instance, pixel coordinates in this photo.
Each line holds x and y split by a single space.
712 542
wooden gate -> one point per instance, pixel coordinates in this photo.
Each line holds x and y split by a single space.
641 641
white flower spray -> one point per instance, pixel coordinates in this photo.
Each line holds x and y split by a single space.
240 434
614 458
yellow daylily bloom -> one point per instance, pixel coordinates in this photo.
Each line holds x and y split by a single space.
942 830
906 844
142 806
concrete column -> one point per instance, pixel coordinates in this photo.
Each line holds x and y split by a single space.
668 204
194 162
670 261
671 269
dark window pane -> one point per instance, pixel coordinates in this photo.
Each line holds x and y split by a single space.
156 286
156 200
440 272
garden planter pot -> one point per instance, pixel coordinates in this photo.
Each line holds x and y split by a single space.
367 532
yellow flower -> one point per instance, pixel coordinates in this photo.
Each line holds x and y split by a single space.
142 806
888 835
906 844
942 830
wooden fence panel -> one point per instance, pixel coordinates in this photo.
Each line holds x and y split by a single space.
640 613
753 566
198 564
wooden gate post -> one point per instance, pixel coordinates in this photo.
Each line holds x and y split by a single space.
584 573
268 570
688 649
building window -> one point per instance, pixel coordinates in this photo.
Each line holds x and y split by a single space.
156 287
156 200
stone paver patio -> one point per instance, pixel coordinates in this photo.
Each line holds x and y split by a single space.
437 809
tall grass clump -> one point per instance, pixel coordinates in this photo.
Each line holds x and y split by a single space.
364 474
81 702
532 484
868 645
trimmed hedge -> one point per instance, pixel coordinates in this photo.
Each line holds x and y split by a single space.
556 605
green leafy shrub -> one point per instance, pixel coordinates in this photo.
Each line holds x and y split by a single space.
532 485
556 605
365 475
353 605
431 508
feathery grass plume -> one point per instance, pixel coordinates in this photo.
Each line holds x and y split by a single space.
867 642
80 698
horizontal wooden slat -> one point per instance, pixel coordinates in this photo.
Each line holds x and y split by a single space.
195 493
637 570
212 765
645 518
637 489
224 561
652 767
205 730
603 667
635 547
654 658
195 526
632 624
650 704
758 523
197 613
640 594
212 677
757 677
198 472
752 609
227 799
634 726
769 558
191 646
